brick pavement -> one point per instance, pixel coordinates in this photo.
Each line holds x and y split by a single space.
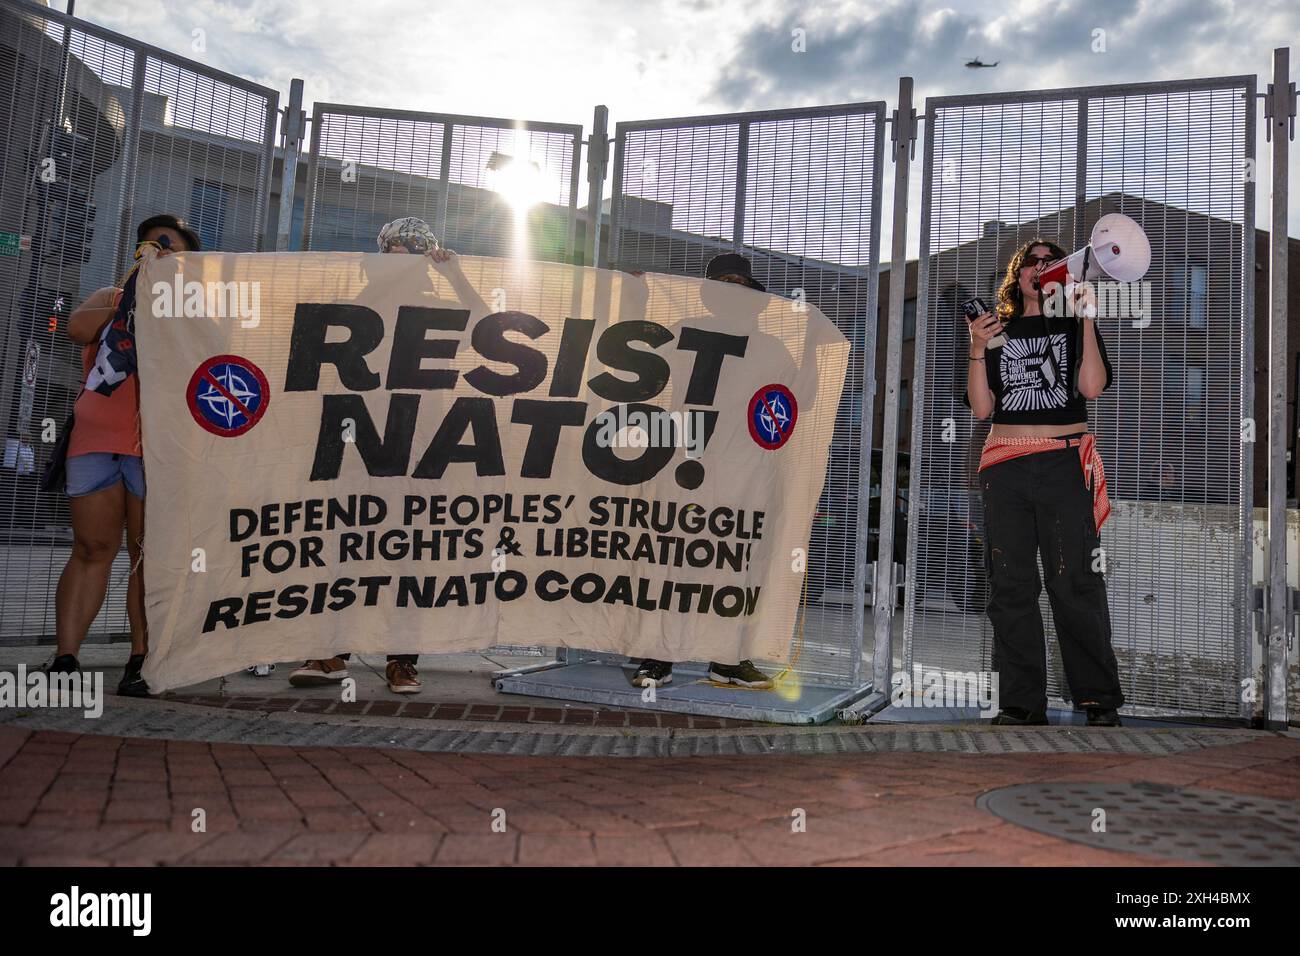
78 799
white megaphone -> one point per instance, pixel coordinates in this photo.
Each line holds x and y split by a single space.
1118 249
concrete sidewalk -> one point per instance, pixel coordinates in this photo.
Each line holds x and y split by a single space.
447 678
455 687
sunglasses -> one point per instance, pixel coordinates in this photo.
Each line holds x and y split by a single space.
1029 262
415 246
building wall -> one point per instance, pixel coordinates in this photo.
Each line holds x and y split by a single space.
1216 390
172 160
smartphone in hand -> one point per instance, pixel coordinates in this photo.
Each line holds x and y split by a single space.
973 309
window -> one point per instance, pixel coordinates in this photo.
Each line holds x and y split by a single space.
904 398
1195 384
857 335
208 202
338 228
1188 299
909 319
1185 383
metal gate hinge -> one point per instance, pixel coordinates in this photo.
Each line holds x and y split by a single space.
1293 603
292 133
1259 608
1259 611
1269 98
911 131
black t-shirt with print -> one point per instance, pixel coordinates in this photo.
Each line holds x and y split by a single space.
1032 376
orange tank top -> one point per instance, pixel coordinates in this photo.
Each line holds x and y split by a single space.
106 423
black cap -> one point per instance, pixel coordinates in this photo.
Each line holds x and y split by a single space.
733 264
168 221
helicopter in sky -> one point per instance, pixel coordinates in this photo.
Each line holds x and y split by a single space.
978 64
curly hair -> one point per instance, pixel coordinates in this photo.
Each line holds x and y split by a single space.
1010 300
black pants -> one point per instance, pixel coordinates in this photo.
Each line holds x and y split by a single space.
410 658
1039 505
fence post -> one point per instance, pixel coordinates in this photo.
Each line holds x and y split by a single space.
294 120
1080 238
313 162
610 253
903 137
124 247
597 162
1280 117
444 177
742 186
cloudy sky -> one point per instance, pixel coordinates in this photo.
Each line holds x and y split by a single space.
555 60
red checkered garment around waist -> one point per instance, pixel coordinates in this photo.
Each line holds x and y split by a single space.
1000 449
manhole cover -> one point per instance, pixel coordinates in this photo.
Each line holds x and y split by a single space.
1212 826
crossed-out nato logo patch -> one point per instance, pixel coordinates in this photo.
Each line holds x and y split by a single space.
772 416
228 395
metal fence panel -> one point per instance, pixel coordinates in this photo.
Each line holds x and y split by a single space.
798 191
99 132
488 187
1001 169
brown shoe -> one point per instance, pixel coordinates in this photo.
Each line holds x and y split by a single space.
401 677
318 673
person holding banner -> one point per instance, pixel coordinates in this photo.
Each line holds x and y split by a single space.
104 467
726 267
1044 492
406 236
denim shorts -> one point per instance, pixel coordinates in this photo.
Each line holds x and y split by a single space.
96 471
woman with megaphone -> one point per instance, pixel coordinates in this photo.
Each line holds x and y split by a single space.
1044 490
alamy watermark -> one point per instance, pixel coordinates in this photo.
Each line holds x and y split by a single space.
26 689
938 688
620 428
1109 300
212 300
76 909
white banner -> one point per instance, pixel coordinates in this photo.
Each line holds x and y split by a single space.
374 453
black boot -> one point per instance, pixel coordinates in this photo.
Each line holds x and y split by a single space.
132 684
1019 717
1103 717
63 664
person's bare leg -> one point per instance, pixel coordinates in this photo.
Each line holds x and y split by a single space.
97 522
135 584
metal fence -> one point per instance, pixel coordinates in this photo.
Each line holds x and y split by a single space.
1001 169
464 175
798 191
487 187
99 132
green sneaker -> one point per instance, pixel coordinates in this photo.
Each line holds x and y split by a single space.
744 674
